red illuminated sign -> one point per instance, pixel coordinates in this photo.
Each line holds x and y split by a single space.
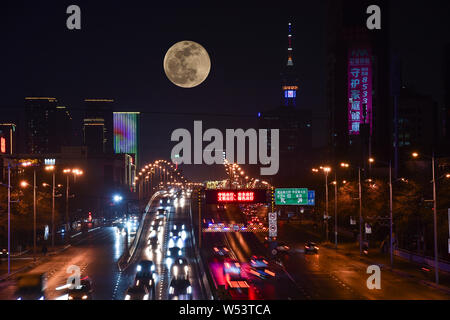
235 196
241 196
2 145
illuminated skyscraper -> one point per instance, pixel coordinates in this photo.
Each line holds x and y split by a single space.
358 97
293 122
126 133
289 77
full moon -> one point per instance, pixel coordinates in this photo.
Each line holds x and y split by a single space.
187 64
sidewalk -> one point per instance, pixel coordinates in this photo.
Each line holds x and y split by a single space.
25 261
402 267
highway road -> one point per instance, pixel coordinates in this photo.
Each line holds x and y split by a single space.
95 253
177 215
328 275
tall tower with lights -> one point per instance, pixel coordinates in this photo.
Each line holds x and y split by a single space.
288 76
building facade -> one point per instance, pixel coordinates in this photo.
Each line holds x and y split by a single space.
357 89
98 128
48 125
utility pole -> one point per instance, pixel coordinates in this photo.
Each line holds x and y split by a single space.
67 203
326 207
391 240
335 211
436 254
34 214
9 218
199 219
53 211
360 211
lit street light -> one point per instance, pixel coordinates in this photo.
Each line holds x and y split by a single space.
436 257
326 170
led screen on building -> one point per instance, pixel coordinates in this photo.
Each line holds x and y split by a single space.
359 89
126 132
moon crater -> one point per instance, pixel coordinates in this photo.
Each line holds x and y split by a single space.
187 64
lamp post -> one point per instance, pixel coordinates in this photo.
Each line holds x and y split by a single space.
391 222
326 207
391 240
9 218
360 211
335 212
34 214
52 168
75 172
325 170
436 256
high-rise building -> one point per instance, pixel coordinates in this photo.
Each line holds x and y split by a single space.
289 77
7 138
48 127
63 126
358 97
417 123
293 121
446 109
98 126
126 134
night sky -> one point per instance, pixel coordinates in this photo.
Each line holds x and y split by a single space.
120 50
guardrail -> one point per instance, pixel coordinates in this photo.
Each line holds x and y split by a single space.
126 257
205 279
429 261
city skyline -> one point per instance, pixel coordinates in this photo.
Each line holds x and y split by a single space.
291 151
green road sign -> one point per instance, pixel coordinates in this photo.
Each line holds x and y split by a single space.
291 197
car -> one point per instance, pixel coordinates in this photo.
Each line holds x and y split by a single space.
82 292
161 213
153 242
120 228
258 262
221 251
174 252
180 289
140 292
232 267
206 223
148 281
179 226
175 233
145 269
176 241
31 286
311 247
3 253
165 201
259 268
283 247
237 288
180 268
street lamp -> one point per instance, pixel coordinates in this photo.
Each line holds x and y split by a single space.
24 184
326 170
67 172
391 240
117 198
346 165
436 257
52 169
